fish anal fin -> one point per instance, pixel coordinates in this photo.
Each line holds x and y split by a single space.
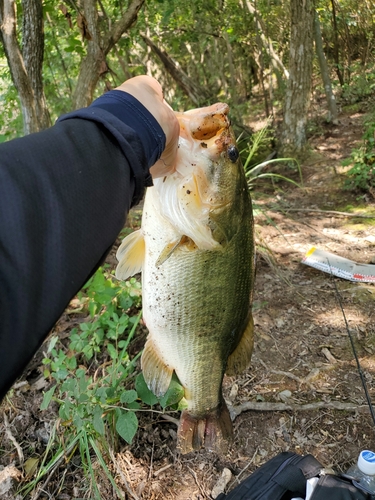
213 431
130 255
168 250
156 373
240 358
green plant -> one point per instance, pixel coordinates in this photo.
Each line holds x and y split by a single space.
361 175
252 153
94 381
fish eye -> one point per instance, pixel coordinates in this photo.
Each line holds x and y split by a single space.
233 154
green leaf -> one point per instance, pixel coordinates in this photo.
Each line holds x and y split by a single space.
80 372
98 420
174 393
65 410
127 425
128 396
144 392
77 421
112 351
101 394
110 392
71 363
82 398
52 343
47 398
134 405
68 386
92 308
83 383
125 302
88 351
61 374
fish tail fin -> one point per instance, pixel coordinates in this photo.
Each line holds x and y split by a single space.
214 431
130 255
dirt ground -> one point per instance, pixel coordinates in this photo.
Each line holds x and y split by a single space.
302 392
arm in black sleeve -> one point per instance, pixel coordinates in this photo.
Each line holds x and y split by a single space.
64 196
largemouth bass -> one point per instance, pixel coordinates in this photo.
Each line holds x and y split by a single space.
196 254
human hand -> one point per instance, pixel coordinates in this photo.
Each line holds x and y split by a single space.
148 91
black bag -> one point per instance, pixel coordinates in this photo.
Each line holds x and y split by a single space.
284 477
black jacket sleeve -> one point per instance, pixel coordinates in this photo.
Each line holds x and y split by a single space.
64 196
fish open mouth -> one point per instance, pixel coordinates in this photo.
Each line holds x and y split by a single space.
204 133
204 124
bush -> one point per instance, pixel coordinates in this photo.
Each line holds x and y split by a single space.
361 175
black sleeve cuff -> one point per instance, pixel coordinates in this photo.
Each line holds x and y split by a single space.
134 127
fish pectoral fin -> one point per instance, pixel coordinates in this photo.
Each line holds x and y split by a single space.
219 234
172 247
156 373
240 358
130 255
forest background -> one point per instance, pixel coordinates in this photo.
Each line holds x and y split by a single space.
58 57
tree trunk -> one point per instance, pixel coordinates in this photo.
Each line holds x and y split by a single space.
232 69
32 52
298 91
17 67
336 50
266 42
94 63
332 108
189 86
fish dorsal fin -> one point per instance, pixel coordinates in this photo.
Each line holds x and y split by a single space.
240 358
168 250
130 255
155 372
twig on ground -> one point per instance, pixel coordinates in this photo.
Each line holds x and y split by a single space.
330 357
170 419
162 469
151 461
247 465
327 212
267 406
11 438
197 482
300 381
18 385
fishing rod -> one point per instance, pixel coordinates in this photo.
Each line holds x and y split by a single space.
359 368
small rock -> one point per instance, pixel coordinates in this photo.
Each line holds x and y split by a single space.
173 434
9 478
233 392
285 395
279 322
219 487
40 384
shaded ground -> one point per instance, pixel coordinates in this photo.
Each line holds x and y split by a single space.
302 353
